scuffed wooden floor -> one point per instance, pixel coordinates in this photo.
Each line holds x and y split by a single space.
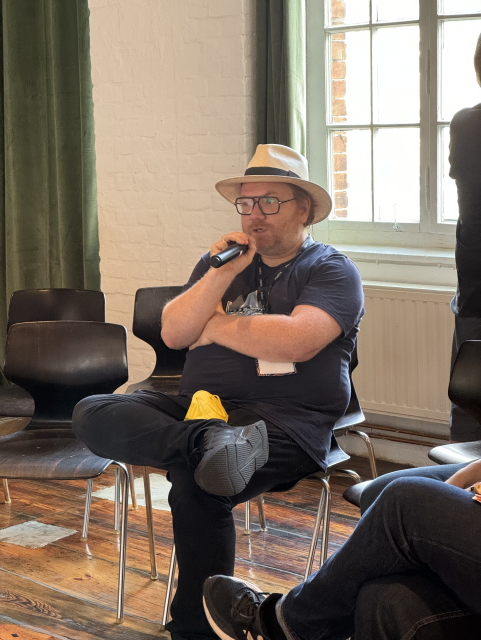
67 589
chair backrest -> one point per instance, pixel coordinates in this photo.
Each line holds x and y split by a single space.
31 305
149 303
354 414
465 382
61 362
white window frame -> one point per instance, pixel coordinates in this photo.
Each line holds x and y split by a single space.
429 234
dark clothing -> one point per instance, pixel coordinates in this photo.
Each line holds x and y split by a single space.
305 404
421 537
465 160
464 428
146 428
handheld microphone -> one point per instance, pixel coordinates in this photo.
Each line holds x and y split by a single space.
227 255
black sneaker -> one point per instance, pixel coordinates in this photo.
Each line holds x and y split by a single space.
229 457
232 608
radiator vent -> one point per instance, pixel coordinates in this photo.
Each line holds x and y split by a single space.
404 351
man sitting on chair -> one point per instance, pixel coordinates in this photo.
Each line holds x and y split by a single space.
271 333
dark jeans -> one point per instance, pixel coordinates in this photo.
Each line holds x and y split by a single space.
463 427
411 569
147 428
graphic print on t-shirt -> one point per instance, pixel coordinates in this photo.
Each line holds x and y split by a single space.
249 307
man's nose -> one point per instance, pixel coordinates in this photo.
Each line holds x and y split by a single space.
256 210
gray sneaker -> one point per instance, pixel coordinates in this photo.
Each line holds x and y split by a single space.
230 456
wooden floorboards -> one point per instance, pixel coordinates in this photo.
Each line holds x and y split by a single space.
68 589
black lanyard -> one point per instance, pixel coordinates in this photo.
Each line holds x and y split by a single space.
264 292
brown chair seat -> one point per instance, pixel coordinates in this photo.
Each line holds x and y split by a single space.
48 453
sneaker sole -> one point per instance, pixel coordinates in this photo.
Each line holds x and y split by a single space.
228 470
222 634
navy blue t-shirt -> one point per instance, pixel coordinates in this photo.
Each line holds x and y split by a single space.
305 404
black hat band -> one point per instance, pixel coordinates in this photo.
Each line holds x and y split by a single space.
270 171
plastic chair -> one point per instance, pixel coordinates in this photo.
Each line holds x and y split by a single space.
149 303
59 363
29 305
465 391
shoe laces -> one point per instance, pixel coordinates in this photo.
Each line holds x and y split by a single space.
245 609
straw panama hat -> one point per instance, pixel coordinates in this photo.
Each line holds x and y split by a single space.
277 163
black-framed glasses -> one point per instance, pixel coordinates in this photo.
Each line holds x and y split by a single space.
269 205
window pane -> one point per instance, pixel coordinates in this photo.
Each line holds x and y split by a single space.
448 196
350 77
387 10
396 74
396 175
351 162
346 12
458 6
459 88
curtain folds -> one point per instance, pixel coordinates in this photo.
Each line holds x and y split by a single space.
48 195
281 73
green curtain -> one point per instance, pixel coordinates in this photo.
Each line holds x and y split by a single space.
48 193
281 73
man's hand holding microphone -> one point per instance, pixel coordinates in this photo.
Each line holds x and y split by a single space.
232 253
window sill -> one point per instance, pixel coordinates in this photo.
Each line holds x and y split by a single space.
412 266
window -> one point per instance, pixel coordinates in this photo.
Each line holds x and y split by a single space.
394 73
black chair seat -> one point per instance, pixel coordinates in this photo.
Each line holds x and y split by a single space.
458 453
353 494
15 402
49 454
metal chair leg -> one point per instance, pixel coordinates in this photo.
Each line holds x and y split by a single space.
317 526
88 502
326 523
370 450
262 515
133 497
124 491
247 526
169 594
117 502
6 492
150 524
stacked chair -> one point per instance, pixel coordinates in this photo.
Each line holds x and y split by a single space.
58 363
30 305
59 350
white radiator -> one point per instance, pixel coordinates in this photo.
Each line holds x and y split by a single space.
404 349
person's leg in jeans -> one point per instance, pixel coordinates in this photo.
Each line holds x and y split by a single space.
204 530
436 472
463 427
416 606
416 525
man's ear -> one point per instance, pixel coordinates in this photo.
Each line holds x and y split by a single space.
304 209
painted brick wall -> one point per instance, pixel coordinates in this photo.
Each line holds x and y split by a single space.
172 92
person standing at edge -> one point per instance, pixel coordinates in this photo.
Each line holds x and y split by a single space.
271 333
465 161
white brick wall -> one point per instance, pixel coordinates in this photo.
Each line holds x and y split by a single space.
172 92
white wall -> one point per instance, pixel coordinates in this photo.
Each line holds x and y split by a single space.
172 93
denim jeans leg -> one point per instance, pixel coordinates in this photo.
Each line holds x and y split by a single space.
417 524
436 472
412 606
